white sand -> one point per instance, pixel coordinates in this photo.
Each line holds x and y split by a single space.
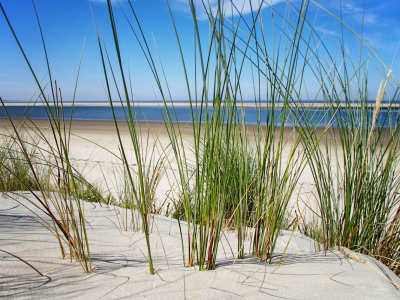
94 144
120 270
95 149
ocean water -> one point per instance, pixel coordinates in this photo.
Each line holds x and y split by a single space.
319 117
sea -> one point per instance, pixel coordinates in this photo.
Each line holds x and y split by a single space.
182 113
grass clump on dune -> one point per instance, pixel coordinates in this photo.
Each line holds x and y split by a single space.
220 183
16 174
357 178
354 162
53 190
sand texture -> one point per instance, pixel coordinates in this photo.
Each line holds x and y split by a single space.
120 270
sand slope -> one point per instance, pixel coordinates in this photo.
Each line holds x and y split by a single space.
120 269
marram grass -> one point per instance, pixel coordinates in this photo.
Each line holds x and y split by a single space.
232 176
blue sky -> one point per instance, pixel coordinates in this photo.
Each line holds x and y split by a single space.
66 24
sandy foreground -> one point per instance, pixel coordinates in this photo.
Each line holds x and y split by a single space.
120 269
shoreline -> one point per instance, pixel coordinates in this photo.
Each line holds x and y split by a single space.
185 103
122 123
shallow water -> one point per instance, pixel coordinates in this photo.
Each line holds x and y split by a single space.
319 117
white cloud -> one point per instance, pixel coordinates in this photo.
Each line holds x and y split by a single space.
243 6
354 11
247 6
327 31
114 2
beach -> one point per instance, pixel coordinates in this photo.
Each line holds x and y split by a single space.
95 151
117 247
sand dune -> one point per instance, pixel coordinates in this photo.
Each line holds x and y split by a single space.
120 270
